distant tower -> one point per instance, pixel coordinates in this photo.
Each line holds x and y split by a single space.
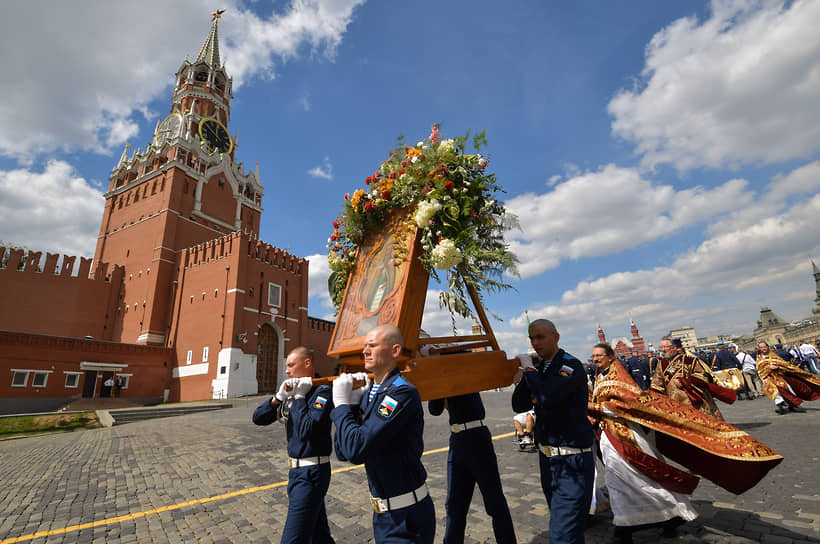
816 310
637 341
601 335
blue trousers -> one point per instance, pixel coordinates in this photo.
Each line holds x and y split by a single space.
412 525
567 483
307 520
472 461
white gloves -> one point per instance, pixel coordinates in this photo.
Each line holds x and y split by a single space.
343 392
343 389
526 362
301 386
295 387
284 391
357 394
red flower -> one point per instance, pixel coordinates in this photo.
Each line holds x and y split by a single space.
392 175
377 175
403 164
386 195
368 206
347 196
335 224
333 237
448 185
368 180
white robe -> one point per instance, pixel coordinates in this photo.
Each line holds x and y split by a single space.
635 498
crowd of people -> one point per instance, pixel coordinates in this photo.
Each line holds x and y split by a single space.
604 432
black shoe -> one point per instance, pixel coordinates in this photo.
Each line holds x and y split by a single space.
781 409
796 409
622 535
670 527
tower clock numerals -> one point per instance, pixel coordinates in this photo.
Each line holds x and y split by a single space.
168 129
215 135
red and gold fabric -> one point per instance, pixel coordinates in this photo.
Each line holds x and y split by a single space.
684 379
705 445
778 375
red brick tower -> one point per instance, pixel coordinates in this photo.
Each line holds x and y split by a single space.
637 340
183 189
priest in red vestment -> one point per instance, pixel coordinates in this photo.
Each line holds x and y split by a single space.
786 384
712 448
682 377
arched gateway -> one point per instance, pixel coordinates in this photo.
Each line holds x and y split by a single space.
267 358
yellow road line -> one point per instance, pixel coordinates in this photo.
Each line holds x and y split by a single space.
177 506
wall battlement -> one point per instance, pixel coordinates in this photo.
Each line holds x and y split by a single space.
27 264
256 249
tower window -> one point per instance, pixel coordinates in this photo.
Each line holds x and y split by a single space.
202 76
274 295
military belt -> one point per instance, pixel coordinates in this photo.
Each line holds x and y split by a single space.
400 501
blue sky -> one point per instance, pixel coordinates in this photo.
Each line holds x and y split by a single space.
663 158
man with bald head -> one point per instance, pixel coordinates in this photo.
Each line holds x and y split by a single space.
305 410
556 385
387 438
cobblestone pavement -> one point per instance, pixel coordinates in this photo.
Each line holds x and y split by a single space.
215 477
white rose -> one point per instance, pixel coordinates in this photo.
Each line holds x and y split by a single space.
426 211
335 262
446 255
446 146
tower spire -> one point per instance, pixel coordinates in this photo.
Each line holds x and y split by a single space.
210 49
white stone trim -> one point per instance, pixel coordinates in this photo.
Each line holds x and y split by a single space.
236 290
93 365
155 338
191 370
254 310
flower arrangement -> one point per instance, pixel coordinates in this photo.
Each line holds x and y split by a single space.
462 225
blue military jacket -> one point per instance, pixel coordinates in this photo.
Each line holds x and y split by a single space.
388 438
308 422
724 359
558 390
462 408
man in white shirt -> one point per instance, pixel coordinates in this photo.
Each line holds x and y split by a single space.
810 353
754 384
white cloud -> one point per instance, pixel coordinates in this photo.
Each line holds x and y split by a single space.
54 210
738 88
318 273
69 90
324 171
584 216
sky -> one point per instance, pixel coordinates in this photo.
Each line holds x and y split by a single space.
662 158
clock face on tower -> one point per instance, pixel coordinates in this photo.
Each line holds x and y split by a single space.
216 135
168 129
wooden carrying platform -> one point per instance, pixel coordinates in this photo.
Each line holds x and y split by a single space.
388 284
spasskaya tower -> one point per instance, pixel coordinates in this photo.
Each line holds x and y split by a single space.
183 188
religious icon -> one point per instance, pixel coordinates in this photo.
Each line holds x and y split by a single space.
378 285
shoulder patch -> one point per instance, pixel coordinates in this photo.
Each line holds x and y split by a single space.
387 406
285 408
566 370
320 402
400 381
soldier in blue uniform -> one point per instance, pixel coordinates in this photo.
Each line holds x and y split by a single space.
557 387
638 368
471 461
723 359
306 412
388 440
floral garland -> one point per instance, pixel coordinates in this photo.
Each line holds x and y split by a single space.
462 225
